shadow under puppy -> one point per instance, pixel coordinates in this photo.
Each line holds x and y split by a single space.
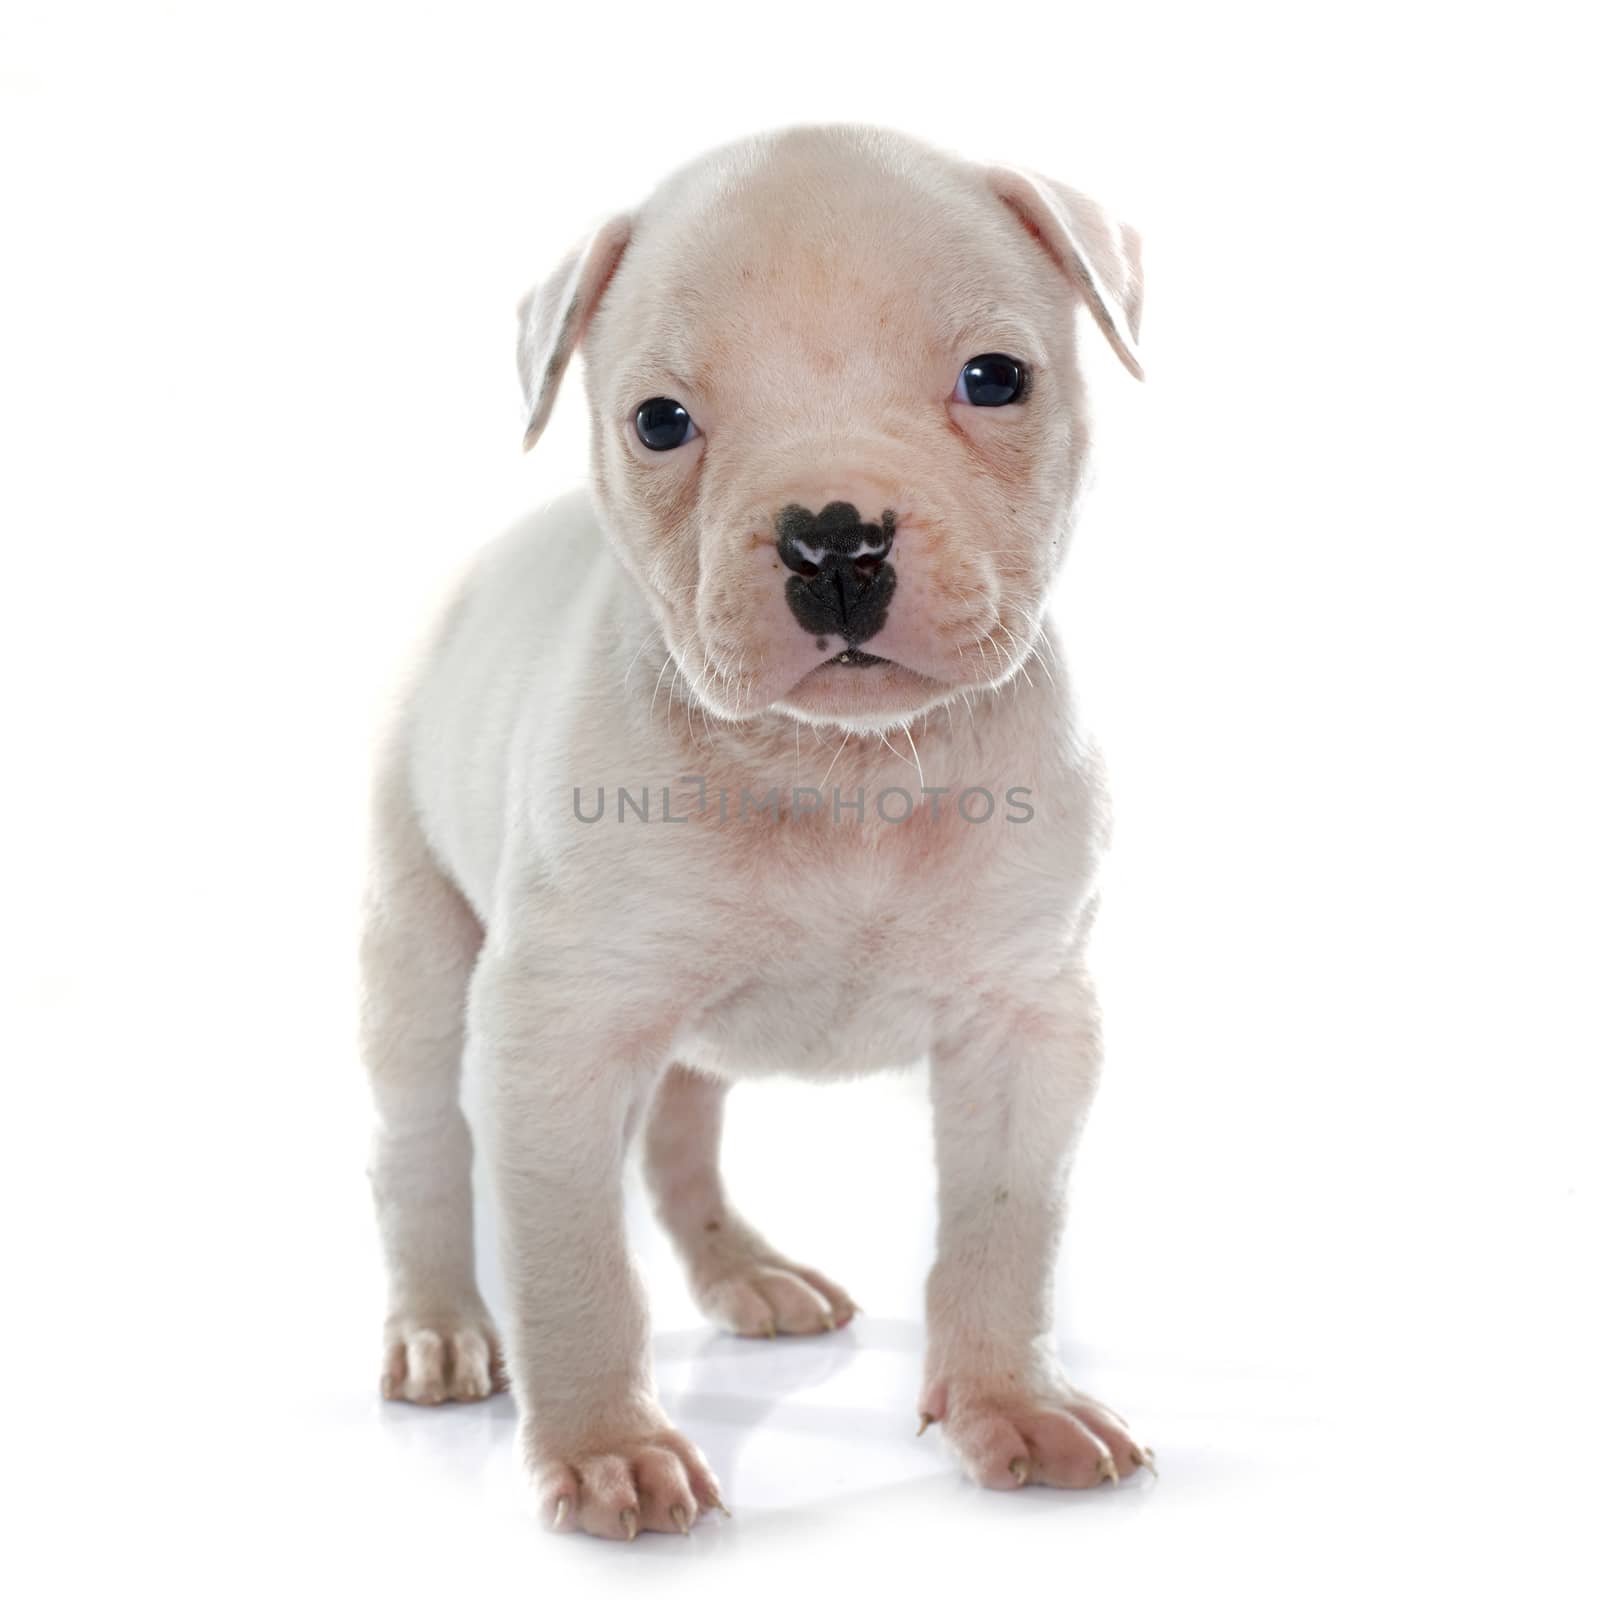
838 437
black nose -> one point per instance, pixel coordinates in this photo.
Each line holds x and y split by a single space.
842 579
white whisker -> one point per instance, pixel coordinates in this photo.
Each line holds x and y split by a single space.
1016 654
832 764
921 781
669 662
650 635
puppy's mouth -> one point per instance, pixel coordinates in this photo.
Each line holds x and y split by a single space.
859 688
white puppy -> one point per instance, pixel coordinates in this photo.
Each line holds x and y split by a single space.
757 758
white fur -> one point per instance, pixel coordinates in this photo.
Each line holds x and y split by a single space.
824 286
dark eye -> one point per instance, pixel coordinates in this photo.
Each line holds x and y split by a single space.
991 380
663 424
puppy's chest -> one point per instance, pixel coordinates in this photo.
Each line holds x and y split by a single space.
844 960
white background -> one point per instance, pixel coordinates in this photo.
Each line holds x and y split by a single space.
1334 1230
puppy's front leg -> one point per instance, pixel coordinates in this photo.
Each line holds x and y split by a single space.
568 1082
1011 1090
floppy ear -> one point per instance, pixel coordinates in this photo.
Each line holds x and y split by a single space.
1100 256
551 318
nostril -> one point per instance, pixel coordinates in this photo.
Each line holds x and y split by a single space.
806 569
867 566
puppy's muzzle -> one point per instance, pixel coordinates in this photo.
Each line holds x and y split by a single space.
842 580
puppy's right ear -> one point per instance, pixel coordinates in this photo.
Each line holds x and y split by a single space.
551 318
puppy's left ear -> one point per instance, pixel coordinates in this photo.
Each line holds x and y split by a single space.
1099 256
551 318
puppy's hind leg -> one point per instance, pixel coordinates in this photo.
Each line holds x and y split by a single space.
739 1281
419 944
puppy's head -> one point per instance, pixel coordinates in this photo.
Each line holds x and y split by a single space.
838 422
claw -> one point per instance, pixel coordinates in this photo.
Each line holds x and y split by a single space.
1146 1458
925 1424
1108 1470
630 1524
563 1506
716 1500
828 1322
680 1519
769 1328
1019 1469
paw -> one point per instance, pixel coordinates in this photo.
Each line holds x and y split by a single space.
760 1296
430 1359
616 1485
1055 1436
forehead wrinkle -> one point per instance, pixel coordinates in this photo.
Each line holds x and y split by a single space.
644 378
979 335
728 304
870 346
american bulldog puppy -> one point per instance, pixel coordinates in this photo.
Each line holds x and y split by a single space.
757 756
